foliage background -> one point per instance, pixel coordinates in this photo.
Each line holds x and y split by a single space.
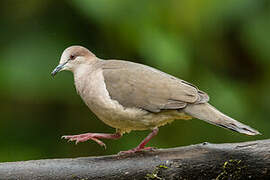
223 47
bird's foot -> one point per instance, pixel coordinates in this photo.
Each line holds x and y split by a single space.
92 136
137 149
84 137
141 146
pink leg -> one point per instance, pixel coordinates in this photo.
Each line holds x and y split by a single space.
141 146
92 136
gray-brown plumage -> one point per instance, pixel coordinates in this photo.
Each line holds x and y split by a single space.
147 88
130 96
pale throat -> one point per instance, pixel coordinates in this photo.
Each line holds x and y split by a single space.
81 70
82 75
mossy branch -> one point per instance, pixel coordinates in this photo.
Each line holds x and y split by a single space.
248 160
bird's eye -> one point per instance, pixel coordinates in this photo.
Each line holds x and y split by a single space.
71 57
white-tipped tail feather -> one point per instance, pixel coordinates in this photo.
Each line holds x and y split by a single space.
211 115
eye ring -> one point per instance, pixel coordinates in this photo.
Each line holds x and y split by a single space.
71 57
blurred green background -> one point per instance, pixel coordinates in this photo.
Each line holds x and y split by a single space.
223 47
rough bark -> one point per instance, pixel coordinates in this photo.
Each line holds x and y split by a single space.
248 160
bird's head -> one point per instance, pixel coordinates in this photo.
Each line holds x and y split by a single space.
73 57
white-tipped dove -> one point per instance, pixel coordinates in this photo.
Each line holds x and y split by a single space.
129 96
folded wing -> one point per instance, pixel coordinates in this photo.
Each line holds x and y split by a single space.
140 86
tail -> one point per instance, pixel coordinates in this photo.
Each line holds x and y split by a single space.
211 115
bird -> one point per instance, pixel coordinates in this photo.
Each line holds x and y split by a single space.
130 96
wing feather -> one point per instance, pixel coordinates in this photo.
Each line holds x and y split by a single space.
137 85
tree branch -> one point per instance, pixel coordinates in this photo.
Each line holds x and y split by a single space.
248 160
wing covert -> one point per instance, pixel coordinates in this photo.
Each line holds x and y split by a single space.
137 85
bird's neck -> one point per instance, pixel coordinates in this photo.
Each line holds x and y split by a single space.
82 70
82 76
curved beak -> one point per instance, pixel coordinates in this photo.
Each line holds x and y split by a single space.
58 68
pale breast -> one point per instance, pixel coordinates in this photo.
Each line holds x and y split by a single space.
92 89
94 93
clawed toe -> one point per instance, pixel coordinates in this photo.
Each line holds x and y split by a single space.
99 142
83 138
135 150
65 137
